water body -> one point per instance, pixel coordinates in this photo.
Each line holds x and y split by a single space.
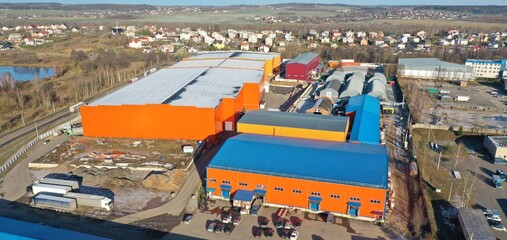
25 74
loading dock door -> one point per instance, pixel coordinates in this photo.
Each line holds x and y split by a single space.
354 208
353 211
226 191
314 203
228 126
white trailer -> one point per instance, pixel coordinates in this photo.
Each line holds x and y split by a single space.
75 108
53 181
462 98
54 202
49 188
90 200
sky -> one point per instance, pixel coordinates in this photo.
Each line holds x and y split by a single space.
231 2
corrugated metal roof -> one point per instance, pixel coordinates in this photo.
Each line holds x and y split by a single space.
377 89
474 223
254 55
38 231
211 55
354 85
366 125
212 86
243 64
337 75
59 187
324 103
343 163
199 63
243 195
304 58
153 89
431 64
296 120
84 196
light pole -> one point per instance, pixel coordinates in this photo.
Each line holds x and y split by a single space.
36 130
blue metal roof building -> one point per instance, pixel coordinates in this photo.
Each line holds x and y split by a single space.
366 114
343 163
15 229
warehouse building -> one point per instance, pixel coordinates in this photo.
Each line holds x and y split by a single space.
434 68
298 125
207 91
364 112
332 89
354 85
323 106
301 67
320 176
487 68
496 146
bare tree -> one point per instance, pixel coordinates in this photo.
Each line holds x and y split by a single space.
458 155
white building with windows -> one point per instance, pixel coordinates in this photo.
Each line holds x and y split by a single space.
487 68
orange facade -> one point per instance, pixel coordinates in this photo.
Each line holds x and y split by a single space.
164 121
293 192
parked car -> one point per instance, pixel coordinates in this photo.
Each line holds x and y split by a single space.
501 173
288 225
257 233
298 222
228 228
269 232
211 227
498 227
237 220
493 217
264 222
219 228
188 218
46 141
284 233
279 223
254 210
487 211
294 235
227 218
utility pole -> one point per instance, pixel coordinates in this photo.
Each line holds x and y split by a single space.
439 156
450 192
23 119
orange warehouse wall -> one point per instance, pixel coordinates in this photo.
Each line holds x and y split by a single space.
292 132
248 97
268 67
276 63
225 112
156 121
288 198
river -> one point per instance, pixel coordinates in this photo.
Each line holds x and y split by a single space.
25 74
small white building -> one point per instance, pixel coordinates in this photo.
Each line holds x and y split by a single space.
496 146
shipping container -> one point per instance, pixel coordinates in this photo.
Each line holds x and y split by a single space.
53 181
90 200
433 91
54 202
49 188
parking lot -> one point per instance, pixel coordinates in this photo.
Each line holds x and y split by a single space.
312 227
480 166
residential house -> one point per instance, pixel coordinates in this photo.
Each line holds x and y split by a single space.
167 48
245 46
363 42
252 39
268 41
15 37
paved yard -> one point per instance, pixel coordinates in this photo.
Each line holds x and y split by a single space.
310 229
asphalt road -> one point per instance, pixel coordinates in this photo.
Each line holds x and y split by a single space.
18 178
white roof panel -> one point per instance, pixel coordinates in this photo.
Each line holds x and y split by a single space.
153 89
199 63
244 64
203 55
215 84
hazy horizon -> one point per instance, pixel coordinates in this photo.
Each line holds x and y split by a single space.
263 2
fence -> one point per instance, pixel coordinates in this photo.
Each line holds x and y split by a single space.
480 131
21 152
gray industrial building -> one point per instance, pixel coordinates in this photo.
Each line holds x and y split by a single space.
354 85
434 68
332 89
474 225
496 146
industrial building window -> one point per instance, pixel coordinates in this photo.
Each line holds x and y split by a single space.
243 184
315 194
212 180
355 199
226 182
335 196
297 191
375 201
279 189
261 186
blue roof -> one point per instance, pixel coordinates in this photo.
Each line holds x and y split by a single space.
14 229
366 124
243 195
344 163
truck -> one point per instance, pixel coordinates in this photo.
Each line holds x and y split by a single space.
462 98
48 188
75 108
61 182
77 131
89 200
497 181
53 202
